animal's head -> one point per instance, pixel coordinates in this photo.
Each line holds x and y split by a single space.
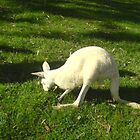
46 79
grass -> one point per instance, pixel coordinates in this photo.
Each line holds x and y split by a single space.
33 31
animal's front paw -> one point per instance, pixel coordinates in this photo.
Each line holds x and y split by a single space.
59 99
57 107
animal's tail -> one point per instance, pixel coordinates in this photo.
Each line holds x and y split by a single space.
134 105
115 93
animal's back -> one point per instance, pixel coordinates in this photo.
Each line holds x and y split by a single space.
87 53
92 59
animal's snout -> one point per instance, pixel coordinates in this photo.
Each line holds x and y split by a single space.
44 84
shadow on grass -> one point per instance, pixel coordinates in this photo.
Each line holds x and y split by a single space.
5 48
102 95
114 36
87 9
10 72
103 11
21 72
5 13
125 73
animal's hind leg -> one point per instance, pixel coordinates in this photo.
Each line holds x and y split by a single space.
81 95
115 94
89 77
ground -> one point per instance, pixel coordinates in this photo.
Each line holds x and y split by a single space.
33 31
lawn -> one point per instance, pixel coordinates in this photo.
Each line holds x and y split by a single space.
32 31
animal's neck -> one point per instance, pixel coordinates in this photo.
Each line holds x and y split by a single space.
56 74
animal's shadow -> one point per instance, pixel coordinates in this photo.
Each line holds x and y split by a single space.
21 72
102 95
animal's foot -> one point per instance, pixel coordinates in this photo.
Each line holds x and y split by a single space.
59 106
59 99
56 107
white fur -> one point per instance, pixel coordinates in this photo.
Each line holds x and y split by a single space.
82 68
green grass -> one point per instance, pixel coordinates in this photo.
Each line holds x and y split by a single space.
32 31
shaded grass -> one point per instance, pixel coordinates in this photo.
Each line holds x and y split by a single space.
33 31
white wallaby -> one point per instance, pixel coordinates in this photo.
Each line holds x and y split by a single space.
82 68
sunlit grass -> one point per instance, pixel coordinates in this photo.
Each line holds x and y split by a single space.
34 31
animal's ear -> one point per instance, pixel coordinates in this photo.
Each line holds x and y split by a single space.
45 66
39 74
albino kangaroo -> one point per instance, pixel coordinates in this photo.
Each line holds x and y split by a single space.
82 68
